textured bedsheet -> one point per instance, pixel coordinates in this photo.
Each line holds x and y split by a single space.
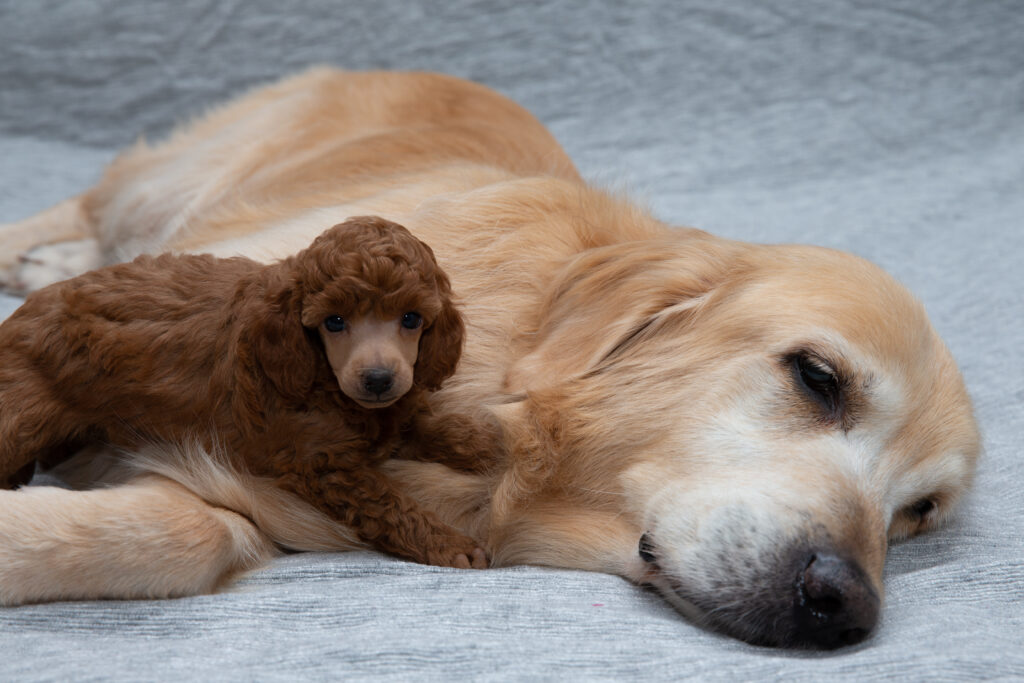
891 129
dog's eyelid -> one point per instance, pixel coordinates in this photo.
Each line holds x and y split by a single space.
806 363
820 380
818 364
817 360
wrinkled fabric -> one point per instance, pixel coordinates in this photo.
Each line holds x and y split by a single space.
891 129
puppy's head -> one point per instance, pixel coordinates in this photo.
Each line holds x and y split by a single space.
374 299
768 418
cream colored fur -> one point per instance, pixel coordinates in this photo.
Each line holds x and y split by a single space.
638 371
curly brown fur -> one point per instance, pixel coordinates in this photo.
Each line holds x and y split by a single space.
236 354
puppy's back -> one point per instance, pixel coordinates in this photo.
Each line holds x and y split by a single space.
133 334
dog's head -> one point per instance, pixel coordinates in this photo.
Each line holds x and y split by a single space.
766 418
374 299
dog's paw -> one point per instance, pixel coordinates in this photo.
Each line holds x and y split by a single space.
50 263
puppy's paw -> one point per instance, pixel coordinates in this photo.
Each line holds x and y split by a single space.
19 478
476 560
50 263
461 554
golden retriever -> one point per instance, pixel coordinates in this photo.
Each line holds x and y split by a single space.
742 426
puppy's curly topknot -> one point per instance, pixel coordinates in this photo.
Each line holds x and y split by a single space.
375 265
365 264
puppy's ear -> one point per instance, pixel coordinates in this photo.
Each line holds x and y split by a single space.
284 351
440 348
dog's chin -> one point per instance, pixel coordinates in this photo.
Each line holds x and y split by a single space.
755 632
769 613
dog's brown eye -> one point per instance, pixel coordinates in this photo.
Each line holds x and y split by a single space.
922 507
334 323
411 321
819 380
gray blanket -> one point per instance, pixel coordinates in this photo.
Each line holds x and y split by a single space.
893 129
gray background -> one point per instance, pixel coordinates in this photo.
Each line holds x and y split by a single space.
891 129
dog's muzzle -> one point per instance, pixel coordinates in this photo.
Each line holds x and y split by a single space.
812 599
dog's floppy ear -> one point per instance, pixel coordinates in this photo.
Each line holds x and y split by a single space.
611 297
440 345
283 350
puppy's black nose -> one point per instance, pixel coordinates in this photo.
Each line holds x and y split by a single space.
378 380
835 602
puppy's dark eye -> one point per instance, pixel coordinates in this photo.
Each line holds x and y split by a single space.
334 323
922 507
411 321
819 379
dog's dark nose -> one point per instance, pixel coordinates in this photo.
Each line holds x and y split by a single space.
378 380
835 602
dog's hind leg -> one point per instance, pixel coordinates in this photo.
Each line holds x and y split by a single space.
53 245
149 538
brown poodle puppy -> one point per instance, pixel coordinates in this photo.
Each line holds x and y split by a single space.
311 371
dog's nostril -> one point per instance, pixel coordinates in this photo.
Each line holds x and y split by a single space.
853 636
820 589
827 605
835 603
647 550
378 380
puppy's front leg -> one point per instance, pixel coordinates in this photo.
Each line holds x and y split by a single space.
462 442
367 501
32 426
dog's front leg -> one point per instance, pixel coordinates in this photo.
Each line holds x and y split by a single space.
149 538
